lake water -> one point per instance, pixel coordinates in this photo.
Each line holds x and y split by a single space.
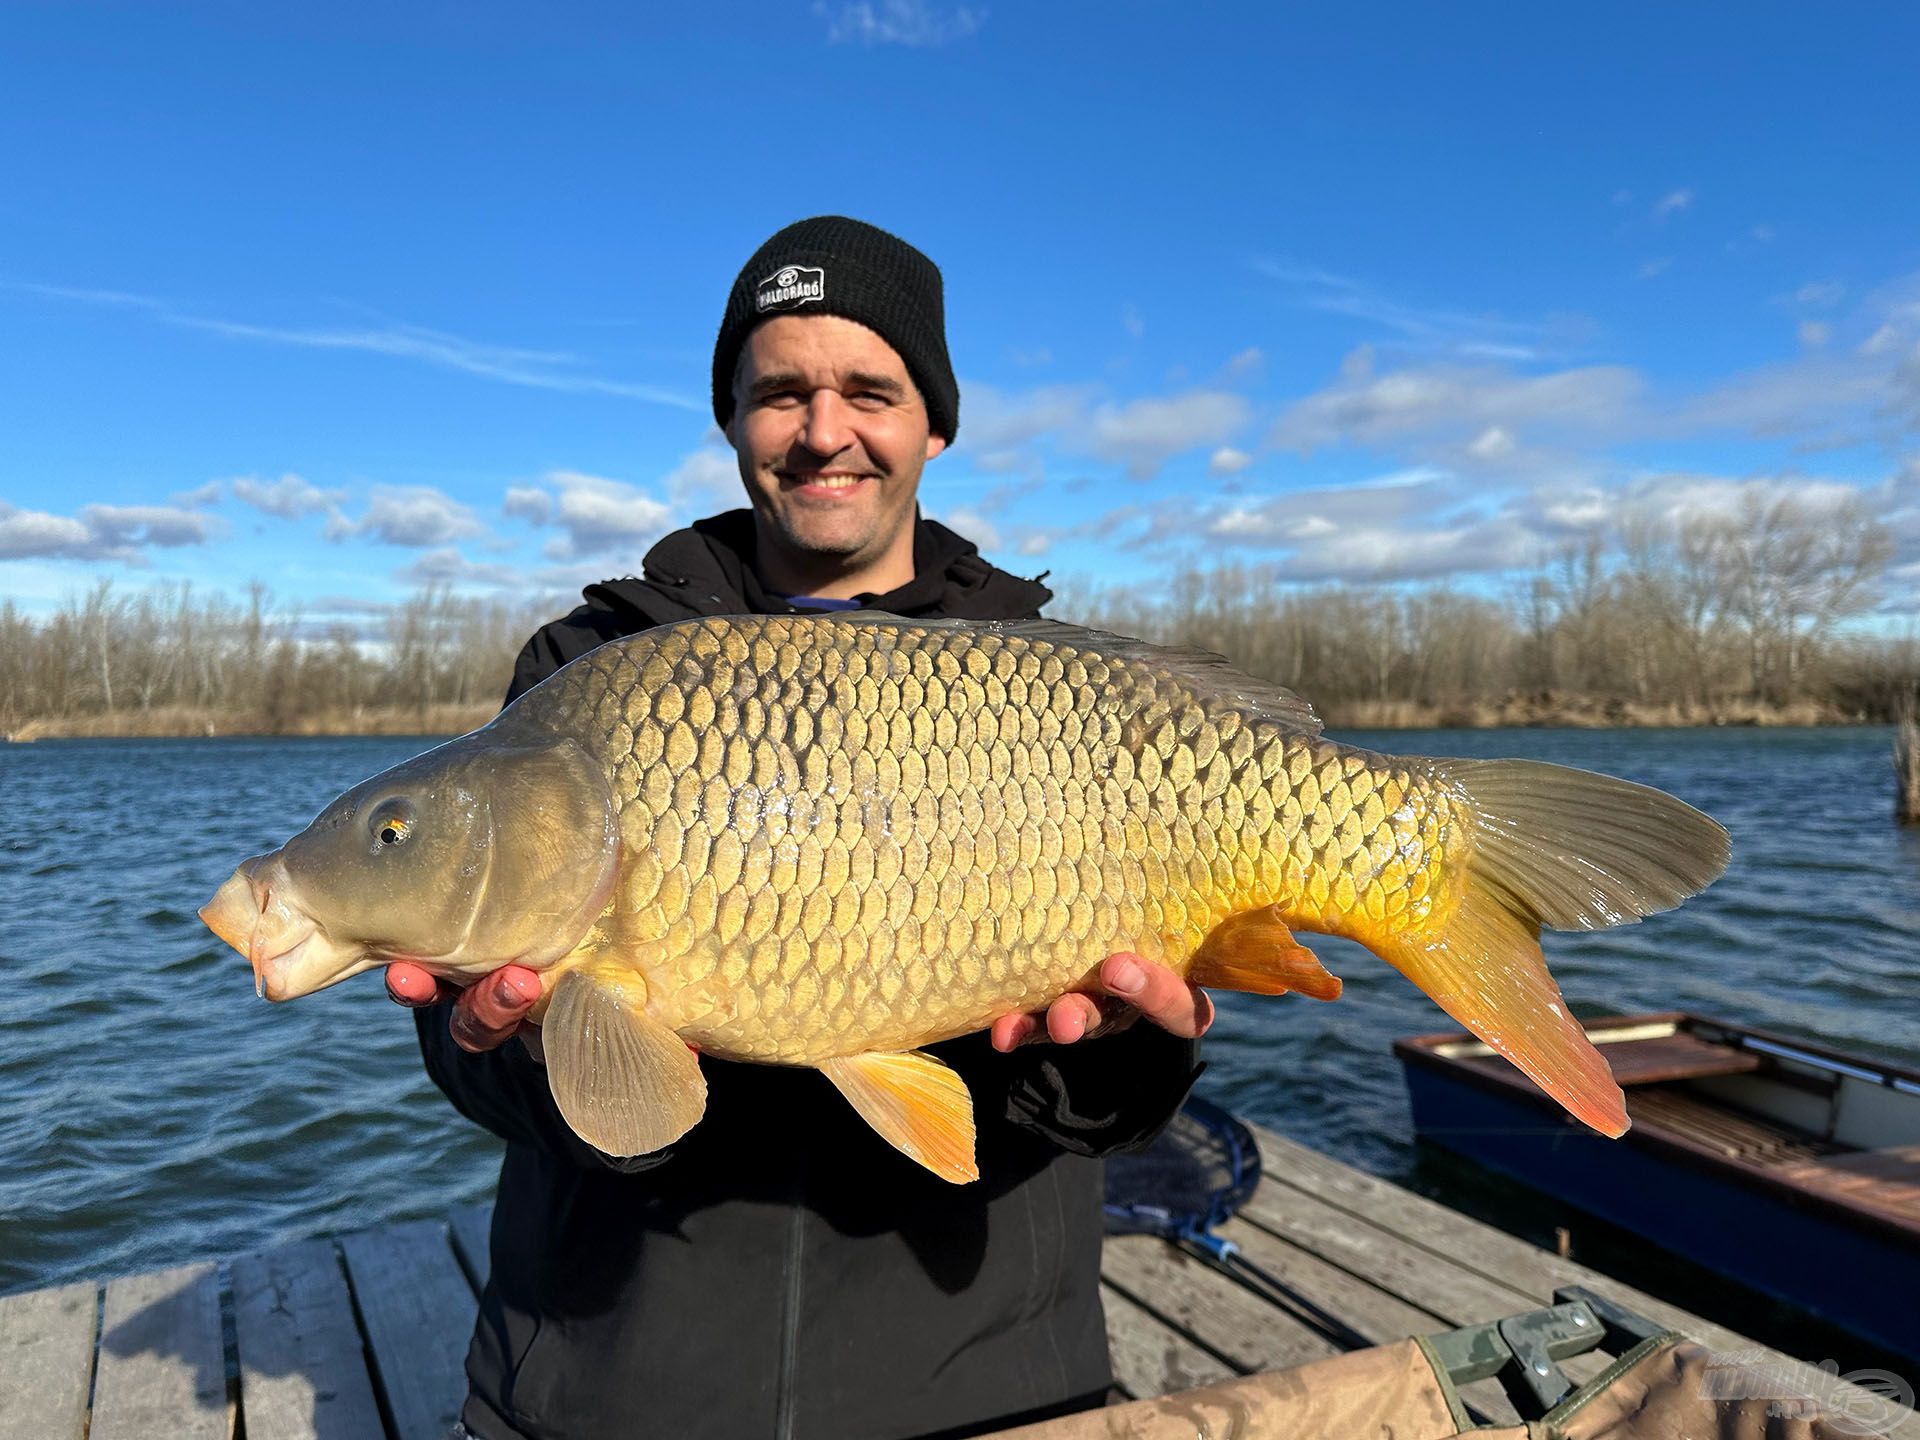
153 1111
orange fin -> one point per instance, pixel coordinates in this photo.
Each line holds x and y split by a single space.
919 1105
1254 951
1483 966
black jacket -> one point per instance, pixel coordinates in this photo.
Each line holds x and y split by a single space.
781 1271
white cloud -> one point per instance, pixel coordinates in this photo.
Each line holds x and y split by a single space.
1651 269
448 566
975 526
1462 334
1228 461
1493 443
997 421
1141 434
708 477
601 515
1246 362
529 503
200 496
513 365
101 532
1819 292
289 497
1443 400
914 23
413 515
35 533
1144 434
1815 332
1132 321
1672 203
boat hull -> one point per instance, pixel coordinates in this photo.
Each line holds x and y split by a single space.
1791 1247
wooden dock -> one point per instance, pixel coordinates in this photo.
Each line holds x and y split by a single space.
364 1337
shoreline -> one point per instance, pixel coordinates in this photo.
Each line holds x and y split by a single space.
1512 713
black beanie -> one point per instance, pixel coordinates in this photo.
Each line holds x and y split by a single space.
831 265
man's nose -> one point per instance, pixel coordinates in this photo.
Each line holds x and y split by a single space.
827 431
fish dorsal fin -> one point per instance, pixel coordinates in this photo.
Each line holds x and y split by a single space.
919 1105
1254 951
625 1082
1213 677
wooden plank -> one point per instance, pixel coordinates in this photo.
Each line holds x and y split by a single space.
1417 1275
46 1360
1887 1180
1379 1315
419 1310
471 1225
1468 1243
163 1365
303 1369
1496 1255
1151 1358
1197 1300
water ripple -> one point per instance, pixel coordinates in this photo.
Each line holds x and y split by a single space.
153 1111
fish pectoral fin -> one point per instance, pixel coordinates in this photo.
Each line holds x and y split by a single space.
1254 951
622 1079
919 1105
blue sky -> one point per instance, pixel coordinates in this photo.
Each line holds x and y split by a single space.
347 298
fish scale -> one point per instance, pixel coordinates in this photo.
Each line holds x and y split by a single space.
829 841
966 855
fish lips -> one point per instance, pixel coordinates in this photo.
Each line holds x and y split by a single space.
255 913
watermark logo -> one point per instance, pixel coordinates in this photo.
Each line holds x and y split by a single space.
1860 1402
789 287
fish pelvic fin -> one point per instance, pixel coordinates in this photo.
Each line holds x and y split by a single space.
1568 849
1254 951
622 1079
919 1105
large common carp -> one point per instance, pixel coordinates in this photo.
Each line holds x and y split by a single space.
827 841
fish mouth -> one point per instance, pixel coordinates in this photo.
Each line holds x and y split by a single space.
255 913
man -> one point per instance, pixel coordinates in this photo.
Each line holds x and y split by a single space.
780 1271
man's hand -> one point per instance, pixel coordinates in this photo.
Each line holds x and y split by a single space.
487 1013
1132 986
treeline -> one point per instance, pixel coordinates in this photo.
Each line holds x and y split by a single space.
1724 618
1712 619
169 659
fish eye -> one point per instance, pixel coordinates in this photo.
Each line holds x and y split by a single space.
391 822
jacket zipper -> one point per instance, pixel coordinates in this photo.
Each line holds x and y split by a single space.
790 1313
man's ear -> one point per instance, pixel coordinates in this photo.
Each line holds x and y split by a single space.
935 444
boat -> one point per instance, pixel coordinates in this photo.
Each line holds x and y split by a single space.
1785 1165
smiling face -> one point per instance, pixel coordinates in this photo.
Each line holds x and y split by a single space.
831 435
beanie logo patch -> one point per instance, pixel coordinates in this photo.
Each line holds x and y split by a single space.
790 287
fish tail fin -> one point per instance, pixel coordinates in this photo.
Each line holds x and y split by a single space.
1568 849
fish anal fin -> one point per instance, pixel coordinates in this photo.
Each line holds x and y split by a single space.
1254 951
1483 966
622 1079
919 1105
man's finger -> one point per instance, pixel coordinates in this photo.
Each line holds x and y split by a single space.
1011 1031
491 1010
1157 993
1070 1017
414 985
